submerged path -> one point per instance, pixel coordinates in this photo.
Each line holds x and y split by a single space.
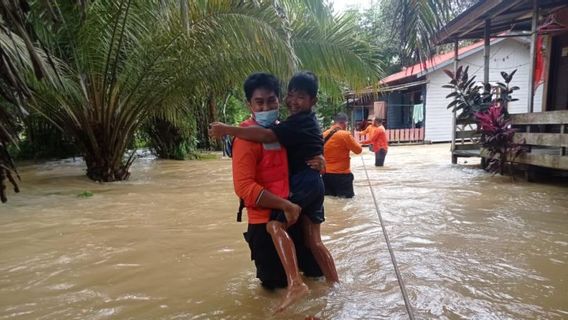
164 245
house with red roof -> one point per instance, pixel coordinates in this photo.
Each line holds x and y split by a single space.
414 104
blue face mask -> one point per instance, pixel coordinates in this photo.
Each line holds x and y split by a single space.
266 118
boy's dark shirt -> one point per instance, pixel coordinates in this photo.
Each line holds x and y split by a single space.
301 135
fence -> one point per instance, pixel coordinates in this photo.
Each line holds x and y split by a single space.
547 135
415 135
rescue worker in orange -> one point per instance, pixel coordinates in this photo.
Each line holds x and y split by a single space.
338 143
380 142
368 131
302 136
260 176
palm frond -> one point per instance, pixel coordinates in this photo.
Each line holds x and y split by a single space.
332 47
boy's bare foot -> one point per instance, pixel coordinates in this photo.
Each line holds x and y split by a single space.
292 295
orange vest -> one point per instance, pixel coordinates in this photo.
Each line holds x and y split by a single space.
379 139
271 173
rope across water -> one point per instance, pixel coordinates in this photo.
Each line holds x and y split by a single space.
393 258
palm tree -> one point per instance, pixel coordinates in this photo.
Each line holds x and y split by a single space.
333 47
120 64
124 59
417 21
329 45
18 56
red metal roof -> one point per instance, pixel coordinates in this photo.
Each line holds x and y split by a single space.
428 65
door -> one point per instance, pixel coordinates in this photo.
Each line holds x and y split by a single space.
558 85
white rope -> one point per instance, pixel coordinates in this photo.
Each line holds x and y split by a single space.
393 259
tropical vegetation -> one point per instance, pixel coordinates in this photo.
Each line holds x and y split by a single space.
101 78
486 105
122 66
403 30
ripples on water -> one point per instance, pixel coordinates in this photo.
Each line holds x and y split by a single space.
164 245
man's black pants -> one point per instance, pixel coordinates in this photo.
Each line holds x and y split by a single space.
380 157
339 184
269 269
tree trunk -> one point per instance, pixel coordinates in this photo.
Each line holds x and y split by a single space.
100 168
213 117
202 126
104 156
7 172
168 141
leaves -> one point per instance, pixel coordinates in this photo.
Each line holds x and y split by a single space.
110 67
487 105
467 96
497 138
418 21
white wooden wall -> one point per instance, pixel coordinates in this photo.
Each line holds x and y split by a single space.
506 55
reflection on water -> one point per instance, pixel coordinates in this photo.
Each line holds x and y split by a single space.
165 245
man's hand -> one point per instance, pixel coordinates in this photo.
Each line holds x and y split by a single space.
317 163
292 213
217 129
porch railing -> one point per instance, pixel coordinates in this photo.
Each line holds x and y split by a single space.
465 143
411 135
546 134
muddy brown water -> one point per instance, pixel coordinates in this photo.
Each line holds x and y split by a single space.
165 245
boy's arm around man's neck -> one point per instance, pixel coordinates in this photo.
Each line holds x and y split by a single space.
256 134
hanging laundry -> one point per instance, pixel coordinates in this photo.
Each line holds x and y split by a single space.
418 113
379 109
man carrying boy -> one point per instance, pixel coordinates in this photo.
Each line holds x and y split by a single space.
260 176
301 135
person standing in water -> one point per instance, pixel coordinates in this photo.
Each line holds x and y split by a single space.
338 143
260 176
301 135
380 143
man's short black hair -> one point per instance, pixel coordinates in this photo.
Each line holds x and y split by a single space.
341 117
305 81
261 80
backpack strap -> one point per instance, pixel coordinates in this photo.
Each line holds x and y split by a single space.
228 145
331 133
240 212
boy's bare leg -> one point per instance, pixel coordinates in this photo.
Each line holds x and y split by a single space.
270 200
324 259
287 253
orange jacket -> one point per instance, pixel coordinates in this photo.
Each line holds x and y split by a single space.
378 139
336 151
368 131
258 167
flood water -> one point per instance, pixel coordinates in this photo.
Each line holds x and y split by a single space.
165 245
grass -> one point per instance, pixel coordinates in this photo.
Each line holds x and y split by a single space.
204 155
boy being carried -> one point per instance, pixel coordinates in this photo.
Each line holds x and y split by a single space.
302 137
260 176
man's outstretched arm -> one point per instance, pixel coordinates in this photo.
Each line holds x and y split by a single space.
353 145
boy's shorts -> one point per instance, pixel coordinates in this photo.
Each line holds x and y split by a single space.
268 266
307 191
